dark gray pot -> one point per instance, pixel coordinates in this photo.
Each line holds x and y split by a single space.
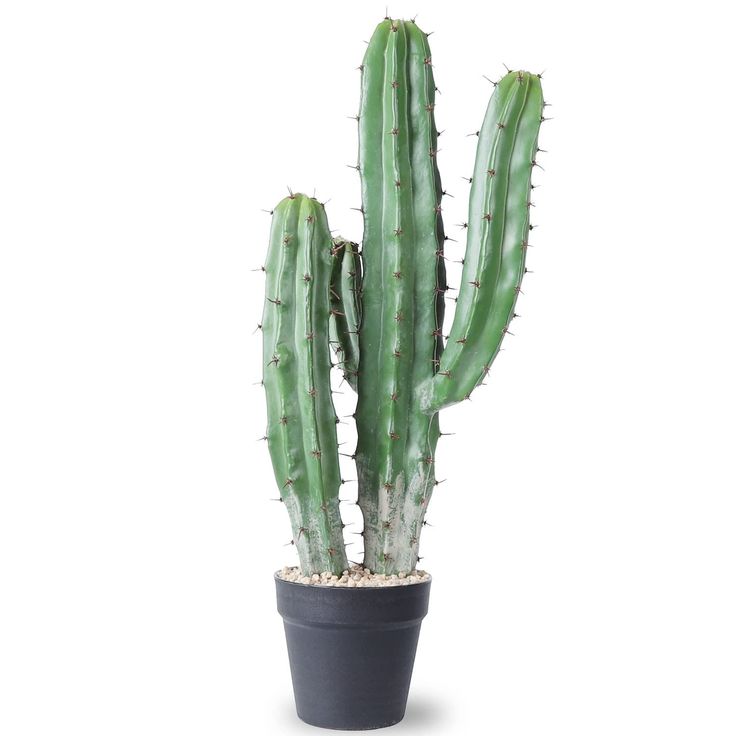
351 651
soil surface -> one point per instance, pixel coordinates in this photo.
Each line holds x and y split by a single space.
355 577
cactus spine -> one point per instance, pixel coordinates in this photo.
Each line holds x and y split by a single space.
386 318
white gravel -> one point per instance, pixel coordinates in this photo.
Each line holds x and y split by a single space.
356 577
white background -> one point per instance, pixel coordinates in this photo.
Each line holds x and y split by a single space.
583 546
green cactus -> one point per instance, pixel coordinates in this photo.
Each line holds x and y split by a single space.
302 432
386 318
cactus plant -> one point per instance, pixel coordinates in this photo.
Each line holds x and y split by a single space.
384 308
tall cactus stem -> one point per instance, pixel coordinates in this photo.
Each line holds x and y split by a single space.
404 283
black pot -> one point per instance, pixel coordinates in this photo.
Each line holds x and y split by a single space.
351 651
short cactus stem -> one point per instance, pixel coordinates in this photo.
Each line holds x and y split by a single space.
302 438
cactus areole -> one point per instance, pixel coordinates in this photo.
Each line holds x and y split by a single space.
382 306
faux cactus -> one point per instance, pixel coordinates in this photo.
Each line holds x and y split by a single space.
384 308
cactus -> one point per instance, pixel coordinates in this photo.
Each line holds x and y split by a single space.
386 318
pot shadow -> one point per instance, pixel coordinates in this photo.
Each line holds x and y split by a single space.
424 713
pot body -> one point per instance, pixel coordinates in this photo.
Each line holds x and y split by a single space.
351 651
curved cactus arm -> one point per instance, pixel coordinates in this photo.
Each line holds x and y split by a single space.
345 296
498 226
302 435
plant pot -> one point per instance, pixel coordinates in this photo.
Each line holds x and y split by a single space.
351 651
